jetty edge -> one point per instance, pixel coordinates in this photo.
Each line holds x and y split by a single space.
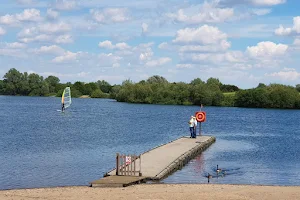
157 163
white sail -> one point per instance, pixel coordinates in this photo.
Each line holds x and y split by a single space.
66 97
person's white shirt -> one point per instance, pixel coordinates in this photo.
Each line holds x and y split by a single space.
192 122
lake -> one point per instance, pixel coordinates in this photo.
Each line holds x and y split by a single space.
41 147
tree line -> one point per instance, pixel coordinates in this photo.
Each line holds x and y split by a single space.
24 84
157 90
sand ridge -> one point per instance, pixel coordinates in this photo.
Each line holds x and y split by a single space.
158 191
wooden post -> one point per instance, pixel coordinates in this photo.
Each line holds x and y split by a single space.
140 173
200 128
131 172
124 165
134 164
118 165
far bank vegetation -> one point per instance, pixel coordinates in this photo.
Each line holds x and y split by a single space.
157 90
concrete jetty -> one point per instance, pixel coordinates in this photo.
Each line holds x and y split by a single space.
160 161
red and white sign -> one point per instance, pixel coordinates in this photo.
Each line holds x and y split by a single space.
128 160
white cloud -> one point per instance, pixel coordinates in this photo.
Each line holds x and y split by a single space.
52 14
109 59
287 74
10 52
163 45
144 27
297 42
283 31
287 31
223 46
122 54
37 38
184 66
54 27
204 13
25 1
261 12
15 45
68 56
146 55
8 20
53 49
29 15
122 46
267 2
110 15
14 49
296 26
202 35
2 31
55 32
108 45
158 62
215 58
63 39
25 32
253 2
203 39
65 4
266 49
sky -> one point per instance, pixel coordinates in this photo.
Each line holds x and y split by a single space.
240 42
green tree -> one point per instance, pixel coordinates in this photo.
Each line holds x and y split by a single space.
197 81
11 80
261 85
228 88
282 96
79 86
157 79
89 88
104 86
2 87
97 94
213 81
37 85
53 82
298 87
24 85
114 91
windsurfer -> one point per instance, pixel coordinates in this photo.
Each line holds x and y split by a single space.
63 107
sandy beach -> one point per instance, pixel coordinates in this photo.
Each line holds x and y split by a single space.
158 191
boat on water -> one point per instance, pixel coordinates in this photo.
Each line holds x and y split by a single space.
66 99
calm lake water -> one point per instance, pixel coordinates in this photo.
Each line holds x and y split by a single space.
41 147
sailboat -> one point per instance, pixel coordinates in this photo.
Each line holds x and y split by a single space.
66 99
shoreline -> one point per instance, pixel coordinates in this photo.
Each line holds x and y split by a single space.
157 191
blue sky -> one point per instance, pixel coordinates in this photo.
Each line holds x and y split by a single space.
240 42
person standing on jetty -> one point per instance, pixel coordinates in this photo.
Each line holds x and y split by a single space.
192 129
195 126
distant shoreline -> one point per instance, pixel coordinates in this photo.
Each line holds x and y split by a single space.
84 97
157 191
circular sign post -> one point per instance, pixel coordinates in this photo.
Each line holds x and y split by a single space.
200 117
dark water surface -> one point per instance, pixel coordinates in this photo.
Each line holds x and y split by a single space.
41 147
